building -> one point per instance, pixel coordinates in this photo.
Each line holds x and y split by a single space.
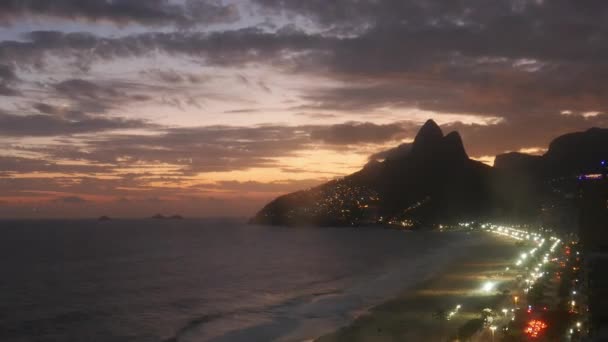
593 211
593 236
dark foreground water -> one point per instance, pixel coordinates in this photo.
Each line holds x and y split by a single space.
201 280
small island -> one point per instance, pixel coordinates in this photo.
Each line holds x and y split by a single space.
104 218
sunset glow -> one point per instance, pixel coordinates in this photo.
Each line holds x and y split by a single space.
123 113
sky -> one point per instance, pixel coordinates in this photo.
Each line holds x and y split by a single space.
204 108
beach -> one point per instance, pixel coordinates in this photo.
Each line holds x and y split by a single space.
411 316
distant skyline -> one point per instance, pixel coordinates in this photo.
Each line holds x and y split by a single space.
212 108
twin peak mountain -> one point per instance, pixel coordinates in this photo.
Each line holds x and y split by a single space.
428 182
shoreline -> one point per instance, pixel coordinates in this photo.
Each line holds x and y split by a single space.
409 316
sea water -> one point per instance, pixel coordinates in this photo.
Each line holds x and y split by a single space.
202 280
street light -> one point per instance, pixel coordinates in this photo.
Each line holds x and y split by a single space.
493 328
488 286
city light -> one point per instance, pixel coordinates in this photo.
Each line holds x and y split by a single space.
531 266
488 286
535 327
455 311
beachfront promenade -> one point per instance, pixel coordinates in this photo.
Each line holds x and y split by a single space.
501 289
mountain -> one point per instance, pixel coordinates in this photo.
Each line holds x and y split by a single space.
546 187
432 181
568 155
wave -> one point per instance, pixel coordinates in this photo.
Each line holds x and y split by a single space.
306 316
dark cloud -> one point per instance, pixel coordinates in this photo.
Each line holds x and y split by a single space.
173 77
47 125
71 200
467 57
98 97
358 133
204 149
392 153
79 184
226 48
273 187
57 111
502 58
529 131
19 165
242 111
7 74
508 28
223 148
514 64
84 88
148 12
5 90
220 148
8 78
317 115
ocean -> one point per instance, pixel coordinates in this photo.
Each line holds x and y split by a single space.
202 280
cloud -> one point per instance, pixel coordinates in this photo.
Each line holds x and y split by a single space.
7 74
529 131
58 111
121 12
8 77
12 125
358 133
392 153
223 48
72 200
100 96
5 90
22 165
509 66
284 186
205 149
214 148
70 184
447 58
173 77
84 88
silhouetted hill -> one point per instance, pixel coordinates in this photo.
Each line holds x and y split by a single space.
515 161
435 181
568 155
544 187
576 153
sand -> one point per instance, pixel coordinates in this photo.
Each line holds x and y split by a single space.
409 317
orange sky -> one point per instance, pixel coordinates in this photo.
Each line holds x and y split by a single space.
174 109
